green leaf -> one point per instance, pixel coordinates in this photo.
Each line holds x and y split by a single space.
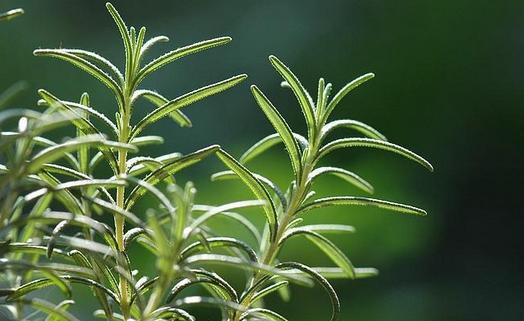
124 33
64 305
140 165
159 100
212 211
281 127
352 124
177 314
50 309
344 91
85 66
167 170
305 102
179 53
232 261
329 228
13 91
328 247
82 123
361 201
226 291
218 242
265 314
96 58
13 13
185 100
348 176
52 279
53 153
373 143
108 183
224 175
256 188
238 218
268 290
268 142
90 111
335 302
320 97
151 42
147 140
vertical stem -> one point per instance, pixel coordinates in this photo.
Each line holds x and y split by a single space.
120 202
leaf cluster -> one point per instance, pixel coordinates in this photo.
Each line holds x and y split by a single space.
55 208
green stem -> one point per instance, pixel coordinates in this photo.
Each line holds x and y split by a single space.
120 202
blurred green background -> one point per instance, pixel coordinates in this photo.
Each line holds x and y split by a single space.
448 86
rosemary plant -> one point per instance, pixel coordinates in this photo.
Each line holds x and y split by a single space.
54 230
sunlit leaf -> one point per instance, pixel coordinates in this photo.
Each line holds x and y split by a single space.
179 53
303 97
348 176
281 127
255 186
373 143
361 201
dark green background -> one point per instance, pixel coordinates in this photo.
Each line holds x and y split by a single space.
448 86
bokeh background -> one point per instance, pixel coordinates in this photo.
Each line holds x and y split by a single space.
449 86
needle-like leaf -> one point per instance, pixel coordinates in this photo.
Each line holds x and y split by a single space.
268 142
179 53
348 176
373 143
344 91
303 97
361 201
185 100
281 127
256 188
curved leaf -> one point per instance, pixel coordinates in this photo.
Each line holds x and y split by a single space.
268 142
361 201
344 91
335 302
50 309
352 124
179 53
268 290
373 143
167 170
151 42
213 242
243 264
348 176
84 65
185 100
159 100
88 55
328 247
267 182
213 211
265 314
